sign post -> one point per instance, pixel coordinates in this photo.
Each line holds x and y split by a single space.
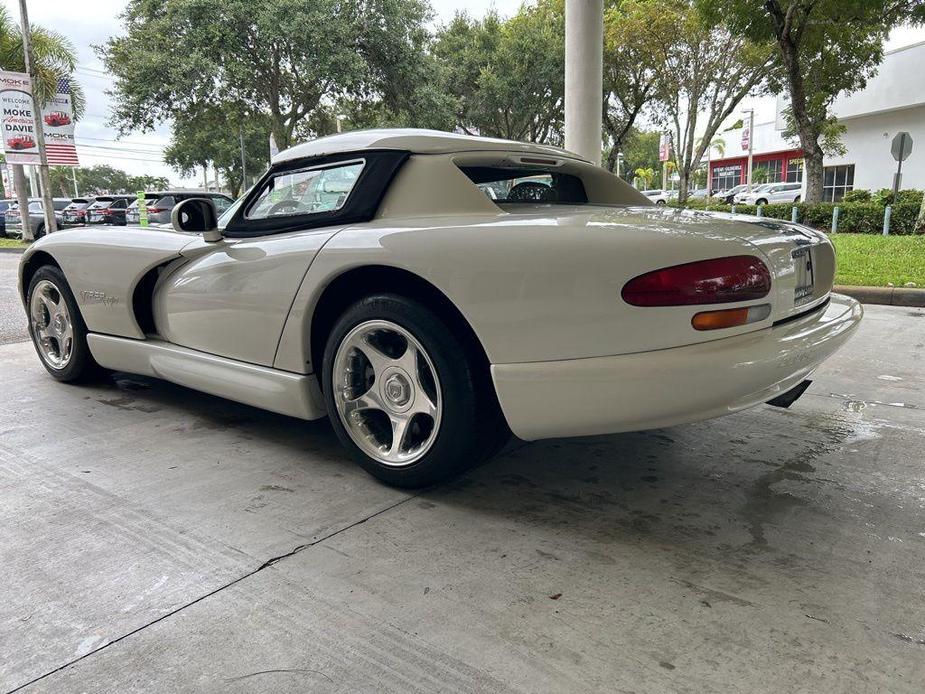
142 208
901 148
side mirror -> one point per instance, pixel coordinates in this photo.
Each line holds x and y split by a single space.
197 215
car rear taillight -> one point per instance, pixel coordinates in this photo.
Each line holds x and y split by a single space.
155 210
716 281
104 210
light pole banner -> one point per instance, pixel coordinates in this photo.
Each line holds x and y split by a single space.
17 118
58 126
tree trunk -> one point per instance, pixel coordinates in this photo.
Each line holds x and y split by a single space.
22 197
807 130
612 157
683 178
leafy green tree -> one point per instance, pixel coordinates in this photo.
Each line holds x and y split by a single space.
703 73
640 151
507 77
212 139
629 73
823 48
647 175
289 59
100 179
53 58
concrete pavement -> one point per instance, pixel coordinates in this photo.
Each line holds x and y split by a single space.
12 317
157 539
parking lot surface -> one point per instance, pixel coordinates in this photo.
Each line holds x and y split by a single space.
157 539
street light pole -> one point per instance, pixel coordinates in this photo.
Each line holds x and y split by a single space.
44 179
751 144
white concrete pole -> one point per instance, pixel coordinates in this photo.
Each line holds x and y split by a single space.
584 74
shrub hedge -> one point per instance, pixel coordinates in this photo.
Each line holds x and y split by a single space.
861 212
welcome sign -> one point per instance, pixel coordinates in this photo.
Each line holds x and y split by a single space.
17 118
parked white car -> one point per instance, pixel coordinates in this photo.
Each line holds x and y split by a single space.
367 277
661 197
770 193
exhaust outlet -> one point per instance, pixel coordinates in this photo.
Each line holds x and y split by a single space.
785 400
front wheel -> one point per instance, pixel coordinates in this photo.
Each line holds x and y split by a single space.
57 328
402 393
761 202
660 202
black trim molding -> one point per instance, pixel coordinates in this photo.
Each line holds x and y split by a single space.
378 171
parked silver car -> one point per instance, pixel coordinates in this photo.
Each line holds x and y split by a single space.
36 217
161 203
771 193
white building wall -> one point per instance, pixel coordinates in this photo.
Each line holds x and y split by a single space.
892 101
867 142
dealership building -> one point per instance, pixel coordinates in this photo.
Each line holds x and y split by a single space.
893 101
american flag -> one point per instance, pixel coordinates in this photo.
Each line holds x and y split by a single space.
61 150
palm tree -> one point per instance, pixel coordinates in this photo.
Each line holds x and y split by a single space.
53 58
646 174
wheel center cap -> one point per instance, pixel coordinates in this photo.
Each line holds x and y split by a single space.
58 324
397 390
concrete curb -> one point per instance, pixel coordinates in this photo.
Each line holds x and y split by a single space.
889 296
12 250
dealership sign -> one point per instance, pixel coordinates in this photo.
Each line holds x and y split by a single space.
17 118
746 139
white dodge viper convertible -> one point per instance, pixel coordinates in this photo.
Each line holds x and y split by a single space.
429 292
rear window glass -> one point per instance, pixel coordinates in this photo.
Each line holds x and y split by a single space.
166 201
510 185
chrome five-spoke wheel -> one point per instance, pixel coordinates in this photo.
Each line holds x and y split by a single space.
52 325
387 393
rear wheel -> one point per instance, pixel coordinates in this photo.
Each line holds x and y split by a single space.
40 230
761 202
659 202
57 328
402 393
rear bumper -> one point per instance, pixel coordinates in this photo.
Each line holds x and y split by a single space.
666 387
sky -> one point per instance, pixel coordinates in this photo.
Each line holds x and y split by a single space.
91 22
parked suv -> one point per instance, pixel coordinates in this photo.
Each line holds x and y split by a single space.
770 193
76 212
108 209
36 217
161 203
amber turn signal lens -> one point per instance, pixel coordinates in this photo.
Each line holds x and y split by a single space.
730 317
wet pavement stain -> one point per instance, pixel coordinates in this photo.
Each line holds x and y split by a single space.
763 503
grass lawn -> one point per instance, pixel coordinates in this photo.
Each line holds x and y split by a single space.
11 243
874 261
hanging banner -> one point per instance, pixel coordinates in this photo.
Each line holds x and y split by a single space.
58 126
17 118
664 147
746 139
6 173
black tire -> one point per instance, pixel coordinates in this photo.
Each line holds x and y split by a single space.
80 366
761 202
470 418
660 202
39 231
797 199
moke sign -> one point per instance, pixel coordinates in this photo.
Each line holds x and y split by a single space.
17 118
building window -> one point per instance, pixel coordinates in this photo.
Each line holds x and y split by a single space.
795 171
726 177
837 180
767 171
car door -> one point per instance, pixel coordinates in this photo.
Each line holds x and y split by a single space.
231 298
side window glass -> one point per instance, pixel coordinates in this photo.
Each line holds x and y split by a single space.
311 191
